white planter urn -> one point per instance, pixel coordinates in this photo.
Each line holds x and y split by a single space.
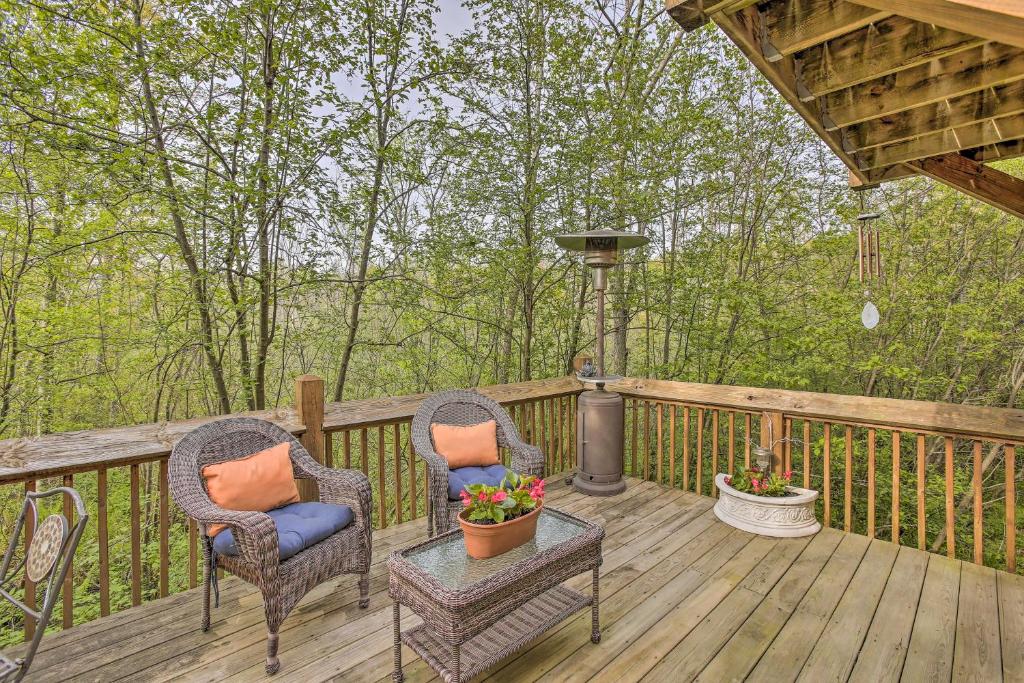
782 517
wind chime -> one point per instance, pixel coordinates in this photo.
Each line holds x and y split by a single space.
869 262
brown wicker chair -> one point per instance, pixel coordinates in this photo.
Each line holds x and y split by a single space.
283 583
464 408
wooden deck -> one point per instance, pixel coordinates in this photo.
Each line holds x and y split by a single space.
683 597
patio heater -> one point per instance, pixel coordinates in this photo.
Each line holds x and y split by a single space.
599 413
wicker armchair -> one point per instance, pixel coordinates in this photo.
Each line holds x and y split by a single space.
283 583
464 408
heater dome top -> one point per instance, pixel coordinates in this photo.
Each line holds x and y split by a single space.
600 240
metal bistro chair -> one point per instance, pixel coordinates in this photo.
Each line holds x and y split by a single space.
47 558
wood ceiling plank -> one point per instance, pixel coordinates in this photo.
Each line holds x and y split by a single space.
999 20
794 25
991 186
997 152
742 29
958 111
975 134
986 66
882 48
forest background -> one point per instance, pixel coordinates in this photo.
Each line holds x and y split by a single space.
201 200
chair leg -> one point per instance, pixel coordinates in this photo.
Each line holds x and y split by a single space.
364 590
207 581
273 663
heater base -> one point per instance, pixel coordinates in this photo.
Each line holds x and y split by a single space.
597 488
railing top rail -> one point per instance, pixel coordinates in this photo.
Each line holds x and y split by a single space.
993 424
373 411
79 451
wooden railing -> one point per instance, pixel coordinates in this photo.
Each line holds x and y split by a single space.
952 486
939 476
154 549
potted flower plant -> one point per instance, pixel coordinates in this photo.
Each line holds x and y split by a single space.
763 502
496 519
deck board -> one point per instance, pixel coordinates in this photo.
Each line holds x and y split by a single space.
682 597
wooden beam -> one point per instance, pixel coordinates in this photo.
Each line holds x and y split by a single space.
742 29
986 66
999 20
794 25
976 134
989 103
882 48
999 189
997 152
692 14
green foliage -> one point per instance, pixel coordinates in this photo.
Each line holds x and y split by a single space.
757 483
513 497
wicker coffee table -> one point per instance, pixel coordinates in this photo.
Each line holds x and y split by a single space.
477 612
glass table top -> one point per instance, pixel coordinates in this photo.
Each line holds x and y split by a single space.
448 562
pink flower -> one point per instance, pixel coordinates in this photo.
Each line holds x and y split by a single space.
481 496
728 481
787 475
499 496
467 499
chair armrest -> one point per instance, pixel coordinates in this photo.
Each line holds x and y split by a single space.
344 487
255 532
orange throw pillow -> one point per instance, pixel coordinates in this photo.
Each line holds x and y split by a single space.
475 445
262 481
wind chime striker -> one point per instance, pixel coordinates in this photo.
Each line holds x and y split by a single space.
869 262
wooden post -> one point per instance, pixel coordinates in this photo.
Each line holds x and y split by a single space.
309 409
771 437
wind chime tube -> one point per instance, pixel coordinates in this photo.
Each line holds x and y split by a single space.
878 256
860 252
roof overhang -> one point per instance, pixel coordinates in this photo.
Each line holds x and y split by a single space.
895 88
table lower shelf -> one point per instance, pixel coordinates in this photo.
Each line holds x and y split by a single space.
501 639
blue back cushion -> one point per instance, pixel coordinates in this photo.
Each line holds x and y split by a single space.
299 526
464 476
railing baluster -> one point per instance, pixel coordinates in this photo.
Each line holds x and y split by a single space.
979 519
922 527
364 451
700 450
826 476
561 433
1011 509
165 540
787 435
633 465
896 487
69 580
382 495
950 511
871 483
661 441
346 448
30 587
193 553
647 440
103 540
732 442
328 450
714 452
672 444
136 538
807 454
848 481
686 448
397 435
553 435
746 441
413 503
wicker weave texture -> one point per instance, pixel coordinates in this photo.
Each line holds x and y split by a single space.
464 408
282 584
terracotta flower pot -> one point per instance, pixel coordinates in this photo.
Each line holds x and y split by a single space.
488 540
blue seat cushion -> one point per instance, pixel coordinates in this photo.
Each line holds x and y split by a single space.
299 526
464 476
